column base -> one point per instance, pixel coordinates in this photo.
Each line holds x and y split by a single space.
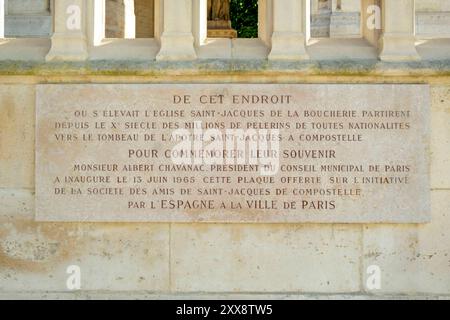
177 47
397 48
288 46
68 48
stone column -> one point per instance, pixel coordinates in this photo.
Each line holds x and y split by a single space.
177 41
290 20
398 40
69 38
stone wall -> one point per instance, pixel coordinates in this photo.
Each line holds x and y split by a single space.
144 18
432 18
154 260
335 19
320 18
115 18
28 18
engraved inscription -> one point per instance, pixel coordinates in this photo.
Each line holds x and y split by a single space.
232 153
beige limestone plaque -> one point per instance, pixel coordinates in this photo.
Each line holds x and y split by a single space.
266 153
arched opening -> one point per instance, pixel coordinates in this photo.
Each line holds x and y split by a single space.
232 18
347 29
129 19
232 28
124 29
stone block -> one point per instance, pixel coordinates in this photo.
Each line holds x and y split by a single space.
17 202
28 26
265 258
24 7
116 257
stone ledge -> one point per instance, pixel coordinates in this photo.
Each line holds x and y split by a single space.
139 295
226 67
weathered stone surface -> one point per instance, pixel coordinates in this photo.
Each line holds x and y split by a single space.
412 259
25 50
31 7
35 257
17 202
363 160
440 137
265 258
240 261
143 295
17 103
432 5
28 18
345 24
28 26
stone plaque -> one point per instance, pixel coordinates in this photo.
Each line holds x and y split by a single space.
233 153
